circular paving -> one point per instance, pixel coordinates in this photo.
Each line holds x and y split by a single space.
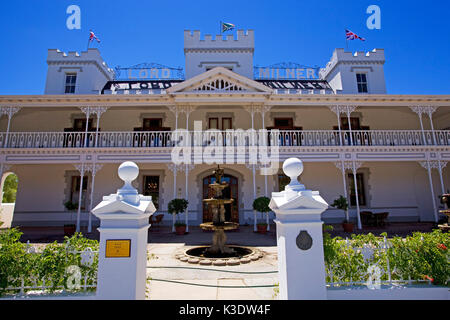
197 255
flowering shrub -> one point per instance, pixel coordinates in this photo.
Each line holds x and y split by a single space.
22 267
422 256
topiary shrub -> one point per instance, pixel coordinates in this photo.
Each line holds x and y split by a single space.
177 206
261 204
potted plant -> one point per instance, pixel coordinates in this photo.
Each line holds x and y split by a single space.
342 204
175 207
261 204
69 229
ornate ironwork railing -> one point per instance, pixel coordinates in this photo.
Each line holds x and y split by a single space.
165 139
369 264
79 274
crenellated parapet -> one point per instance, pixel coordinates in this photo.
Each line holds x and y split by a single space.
341 71
234 52
91 56
244 40
358 57
90 72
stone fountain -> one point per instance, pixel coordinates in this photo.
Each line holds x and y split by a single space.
445 199
219 254
219 225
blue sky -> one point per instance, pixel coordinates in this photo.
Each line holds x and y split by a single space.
414 34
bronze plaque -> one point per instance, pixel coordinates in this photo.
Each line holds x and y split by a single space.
118 248
304 240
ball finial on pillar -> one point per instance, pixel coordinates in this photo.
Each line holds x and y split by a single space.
128 172
293 167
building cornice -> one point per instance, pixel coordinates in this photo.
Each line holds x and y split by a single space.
221 98
162 155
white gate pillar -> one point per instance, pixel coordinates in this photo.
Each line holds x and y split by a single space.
301 265
124 223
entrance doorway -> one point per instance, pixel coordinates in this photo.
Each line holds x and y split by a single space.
231 210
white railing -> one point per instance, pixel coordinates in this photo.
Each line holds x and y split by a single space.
158 139
367 265
80 276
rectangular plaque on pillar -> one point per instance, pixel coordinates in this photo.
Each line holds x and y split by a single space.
118 248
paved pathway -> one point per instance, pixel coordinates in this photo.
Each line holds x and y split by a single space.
206 277
162 248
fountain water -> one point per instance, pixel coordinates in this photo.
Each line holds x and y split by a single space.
219 253
219 225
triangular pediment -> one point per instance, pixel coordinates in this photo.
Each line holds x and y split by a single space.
219 80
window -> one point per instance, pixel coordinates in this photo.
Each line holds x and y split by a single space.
75 191
361 189
80 125
71 79
226 123
283 123
213 123
354 121
152 123
361 80
151 188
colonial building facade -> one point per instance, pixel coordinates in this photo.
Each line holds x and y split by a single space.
385 153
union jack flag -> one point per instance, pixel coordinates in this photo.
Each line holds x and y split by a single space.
92 37
352 36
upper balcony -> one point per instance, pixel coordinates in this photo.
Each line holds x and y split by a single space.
167 139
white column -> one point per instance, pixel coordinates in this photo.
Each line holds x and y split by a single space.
122 258
252 115
432 193
301 266
7 131
9 112
358 215
263 115
186 169
419 110
337 110
349 110
87 111
430 111
339 127
98 112
93 169
427 165
441 166
343 165
81 169
252 166
186 196
174 168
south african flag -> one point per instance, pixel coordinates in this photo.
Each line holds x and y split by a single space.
227 26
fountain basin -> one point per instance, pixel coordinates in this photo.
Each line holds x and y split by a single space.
225 226
199 255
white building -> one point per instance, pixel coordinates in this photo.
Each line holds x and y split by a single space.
340 121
